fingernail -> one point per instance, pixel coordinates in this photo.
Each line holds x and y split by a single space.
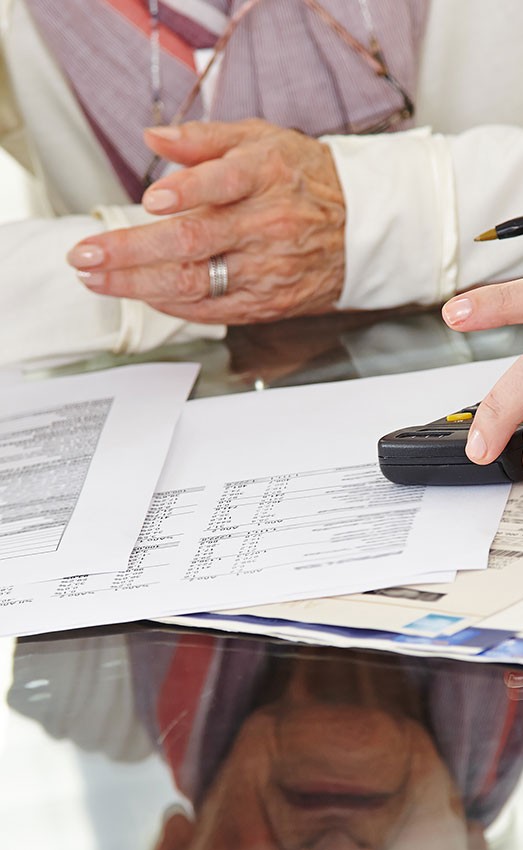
514 680
457 310
86 255
157 200
94 280
171 133
476 445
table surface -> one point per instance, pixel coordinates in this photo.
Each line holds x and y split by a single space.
143 737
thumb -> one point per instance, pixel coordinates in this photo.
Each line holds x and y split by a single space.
497 417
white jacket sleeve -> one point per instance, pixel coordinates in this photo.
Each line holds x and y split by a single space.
46 312
415 201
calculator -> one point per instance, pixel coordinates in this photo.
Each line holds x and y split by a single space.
435 454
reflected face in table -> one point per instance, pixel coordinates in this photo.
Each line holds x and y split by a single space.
324 772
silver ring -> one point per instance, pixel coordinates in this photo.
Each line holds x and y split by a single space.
218 276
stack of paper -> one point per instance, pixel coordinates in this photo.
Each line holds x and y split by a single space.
265 497
80 458
478 617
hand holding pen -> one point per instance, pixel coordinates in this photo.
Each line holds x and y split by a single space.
493 306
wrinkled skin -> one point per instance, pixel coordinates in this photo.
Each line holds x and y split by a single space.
501 411
268 199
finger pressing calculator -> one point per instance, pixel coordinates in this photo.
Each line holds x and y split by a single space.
435 454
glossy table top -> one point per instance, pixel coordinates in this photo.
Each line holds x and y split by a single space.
324 348
145 737
273 746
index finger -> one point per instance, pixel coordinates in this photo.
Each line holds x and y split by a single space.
216 182
486 307
197 141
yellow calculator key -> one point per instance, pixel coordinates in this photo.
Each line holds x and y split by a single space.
459 417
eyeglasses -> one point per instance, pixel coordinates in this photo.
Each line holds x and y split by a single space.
372 56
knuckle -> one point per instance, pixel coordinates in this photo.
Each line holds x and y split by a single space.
277 167
506 296
285 227
492 405
291 269
235 181
187 186
278 221
187 283
190 236
335 215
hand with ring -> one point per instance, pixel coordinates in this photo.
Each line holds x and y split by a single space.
258 232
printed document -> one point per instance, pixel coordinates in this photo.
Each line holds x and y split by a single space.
79 460
479 615
275 496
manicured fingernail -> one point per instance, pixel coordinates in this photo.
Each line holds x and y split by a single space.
85 256
157 200
514 680
170 133
94 280
457 310
476 445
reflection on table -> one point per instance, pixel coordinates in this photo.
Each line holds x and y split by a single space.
274 746
324 348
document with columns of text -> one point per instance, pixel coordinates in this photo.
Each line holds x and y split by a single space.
80 457
274 496
477 617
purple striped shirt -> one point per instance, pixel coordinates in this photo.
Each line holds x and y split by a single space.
283 63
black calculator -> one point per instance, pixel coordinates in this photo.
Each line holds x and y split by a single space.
435 454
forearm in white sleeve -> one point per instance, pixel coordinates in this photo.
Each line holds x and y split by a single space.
46 312
414 202
488 168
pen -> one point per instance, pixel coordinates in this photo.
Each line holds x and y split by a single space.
513 227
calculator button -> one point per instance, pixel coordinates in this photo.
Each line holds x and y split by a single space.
464 416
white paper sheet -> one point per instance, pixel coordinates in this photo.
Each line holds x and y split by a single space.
285 438
79 460
319 443
484 600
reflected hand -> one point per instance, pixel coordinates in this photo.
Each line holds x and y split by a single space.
177 833
267 198
514 684
501 411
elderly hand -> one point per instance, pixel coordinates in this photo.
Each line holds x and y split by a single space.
268 199
501 411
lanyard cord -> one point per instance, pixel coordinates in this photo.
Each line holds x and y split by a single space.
372 56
